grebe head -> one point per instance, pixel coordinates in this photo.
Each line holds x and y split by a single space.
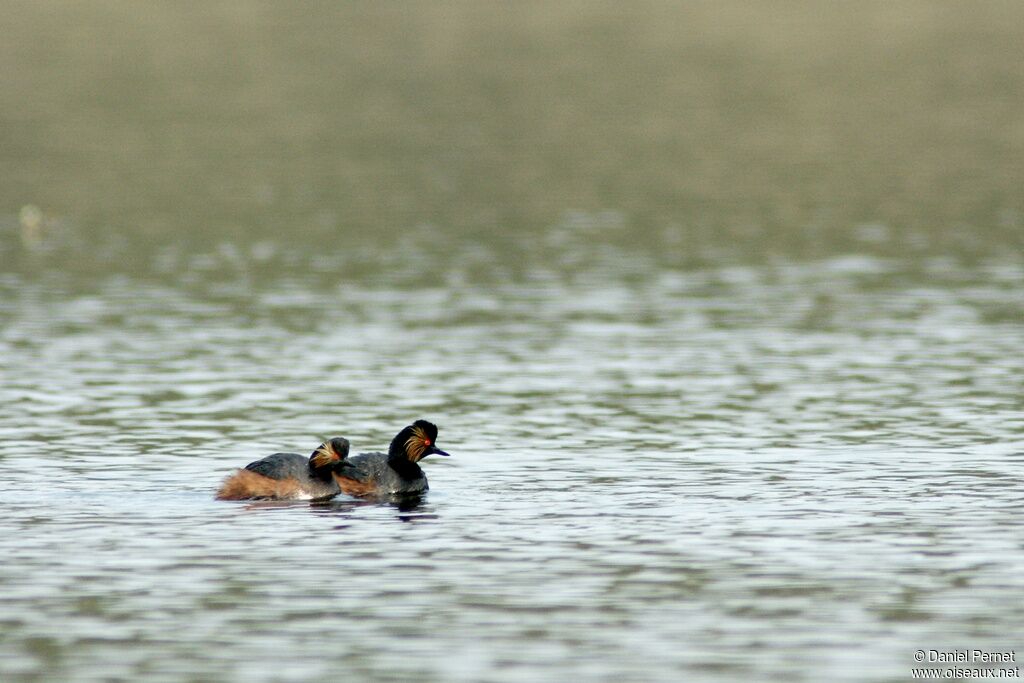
329 453
415 442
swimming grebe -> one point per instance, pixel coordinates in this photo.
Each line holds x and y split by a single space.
394 472
289 476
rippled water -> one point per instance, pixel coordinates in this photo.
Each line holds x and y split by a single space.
719 307
796 471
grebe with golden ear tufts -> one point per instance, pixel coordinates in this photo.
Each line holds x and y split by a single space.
289 476
396 472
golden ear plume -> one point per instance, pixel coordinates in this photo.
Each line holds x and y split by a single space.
416 444
325 455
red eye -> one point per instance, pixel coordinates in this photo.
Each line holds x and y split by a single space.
426 442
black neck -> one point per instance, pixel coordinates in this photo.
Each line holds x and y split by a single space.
405 468
321 473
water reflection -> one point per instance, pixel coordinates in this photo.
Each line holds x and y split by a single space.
401 503
345 505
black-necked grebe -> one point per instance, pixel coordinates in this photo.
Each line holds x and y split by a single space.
289 476
395 472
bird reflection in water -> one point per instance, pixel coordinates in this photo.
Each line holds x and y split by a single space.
402 503
411 506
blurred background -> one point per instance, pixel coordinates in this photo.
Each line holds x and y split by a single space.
719 306
689 131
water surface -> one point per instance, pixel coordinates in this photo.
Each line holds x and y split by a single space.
720 312
723 474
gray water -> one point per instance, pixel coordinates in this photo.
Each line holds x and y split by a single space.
793 472
720 313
